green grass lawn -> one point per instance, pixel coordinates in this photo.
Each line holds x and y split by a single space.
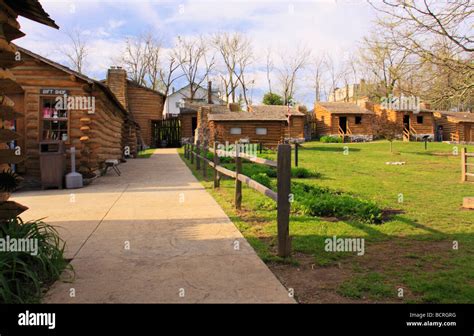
413 251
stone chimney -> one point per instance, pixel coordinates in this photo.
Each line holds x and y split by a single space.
117 82
209 92
234 107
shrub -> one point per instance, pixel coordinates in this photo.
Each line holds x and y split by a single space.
330 139
263 179
323 202
23 276
300 172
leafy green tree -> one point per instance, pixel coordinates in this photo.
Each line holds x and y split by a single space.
272 99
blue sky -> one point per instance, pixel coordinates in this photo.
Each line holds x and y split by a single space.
335 27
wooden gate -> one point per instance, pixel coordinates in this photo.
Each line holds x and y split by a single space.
166 133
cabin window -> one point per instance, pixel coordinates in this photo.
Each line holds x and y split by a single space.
236 131
261 131
419 119
54 122
358 120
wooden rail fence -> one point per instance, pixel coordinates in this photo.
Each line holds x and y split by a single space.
198 152
465 164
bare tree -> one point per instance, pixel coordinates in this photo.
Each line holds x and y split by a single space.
288 71
168 71
317 66
77 51
135 59
269 67
236 54
427 29
333 75
195 62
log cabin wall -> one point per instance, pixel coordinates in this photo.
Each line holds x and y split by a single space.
221 130
449 127
323 121
364 128
427 126
146 106
297 127
101 132
187 124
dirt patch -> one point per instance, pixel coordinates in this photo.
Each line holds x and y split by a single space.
316 284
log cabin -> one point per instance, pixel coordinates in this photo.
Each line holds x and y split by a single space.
414 124
143 103
263 124
457 127
347 120
91 117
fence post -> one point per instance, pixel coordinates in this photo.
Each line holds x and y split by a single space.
296 154
198 152
216 163
238 184
186 150
192 153
261 147
204 162
463 164
283 204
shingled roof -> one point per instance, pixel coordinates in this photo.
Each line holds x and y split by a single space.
457 116
344 108
255 113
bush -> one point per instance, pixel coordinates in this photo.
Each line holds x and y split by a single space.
322 202
24 276
300 172
330 139
263 179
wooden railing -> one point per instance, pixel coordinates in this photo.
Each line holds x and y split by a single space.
408 133
465 164
197 153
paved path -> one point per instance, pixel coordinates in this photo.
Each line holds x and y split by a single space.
151 235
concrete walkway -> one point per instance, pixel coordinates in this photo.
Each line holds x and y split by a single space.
152 235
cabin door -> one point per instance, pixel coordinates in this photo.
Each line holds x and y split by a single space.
343 124
166 133
194 125
467 133
406 122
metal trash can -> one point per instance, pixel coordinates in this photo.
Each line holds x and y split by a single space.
52 163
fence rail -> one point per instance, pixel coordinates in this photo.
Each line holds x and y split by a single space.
465 164
198 152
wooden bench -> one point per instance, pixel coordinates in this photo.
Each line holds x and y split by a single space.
111 164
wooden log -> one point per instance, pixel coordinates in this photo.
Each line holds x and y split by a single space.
204 155
258 187
198 156
9 156
11 209
463 164
283 202
238 183
226 172
216 163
